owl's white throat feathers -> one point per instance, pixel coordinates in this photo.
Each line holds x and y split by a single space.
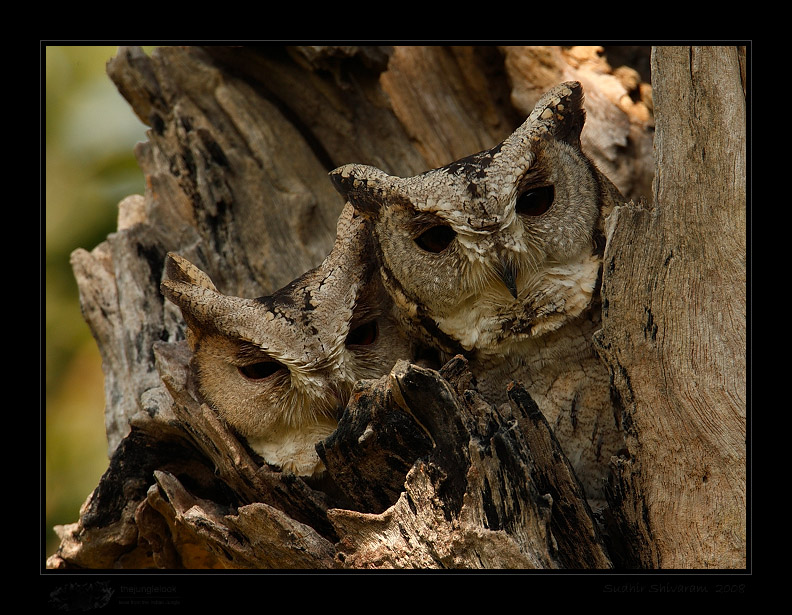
492 322
293 450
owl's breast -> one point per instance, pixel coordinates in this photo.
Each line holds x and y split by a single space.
473 325
490 328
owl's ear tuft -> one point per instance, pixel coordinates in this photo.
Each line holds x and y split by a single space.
191 300
560 113
209 312
365 187
179 269
193 292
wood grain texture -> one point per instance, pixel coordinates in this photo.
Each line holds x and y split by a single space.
236 162
674 326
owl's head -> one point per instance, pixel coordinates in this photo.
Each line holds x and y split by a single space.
280 368
501 245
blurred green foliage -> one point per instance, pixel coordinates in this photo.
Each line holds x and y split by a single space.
90 134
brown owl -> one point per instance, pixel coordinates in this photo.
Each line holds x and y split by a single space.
280 368
498 256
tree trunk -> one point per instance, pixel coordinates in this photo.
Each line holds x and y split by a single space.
236 165
674 329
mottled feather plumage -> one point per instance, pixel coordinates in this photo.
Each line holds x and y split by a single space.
498 256
280 368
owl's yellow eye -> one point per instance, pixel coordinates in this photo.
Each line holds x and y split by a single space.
436 239
261 370
535 202
363 335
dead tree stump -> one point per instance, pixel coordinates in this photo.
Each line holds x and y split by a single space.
426 473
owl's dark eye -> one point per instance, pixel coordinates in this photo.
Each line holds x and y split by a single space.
363 335
436 239
261 370
535 202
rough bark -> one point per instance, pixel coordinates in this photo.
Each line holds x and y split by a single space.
674 325
427 473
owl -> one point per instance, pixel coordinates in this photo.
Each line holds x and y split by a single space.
497 256
280 368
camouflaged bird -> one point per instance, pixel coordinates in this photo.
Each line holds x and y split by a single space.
280 368
498 256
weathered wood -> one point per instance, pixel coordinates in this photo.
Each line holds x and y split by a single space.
481 496
236 160
617 135
131 521
240 143
674 321
580 543
374 447
252 536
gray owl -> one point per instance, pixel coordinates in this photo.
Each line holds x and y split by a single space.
280 368
497 256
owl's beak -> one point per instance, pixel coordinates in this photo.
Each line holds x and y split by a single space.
508 275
